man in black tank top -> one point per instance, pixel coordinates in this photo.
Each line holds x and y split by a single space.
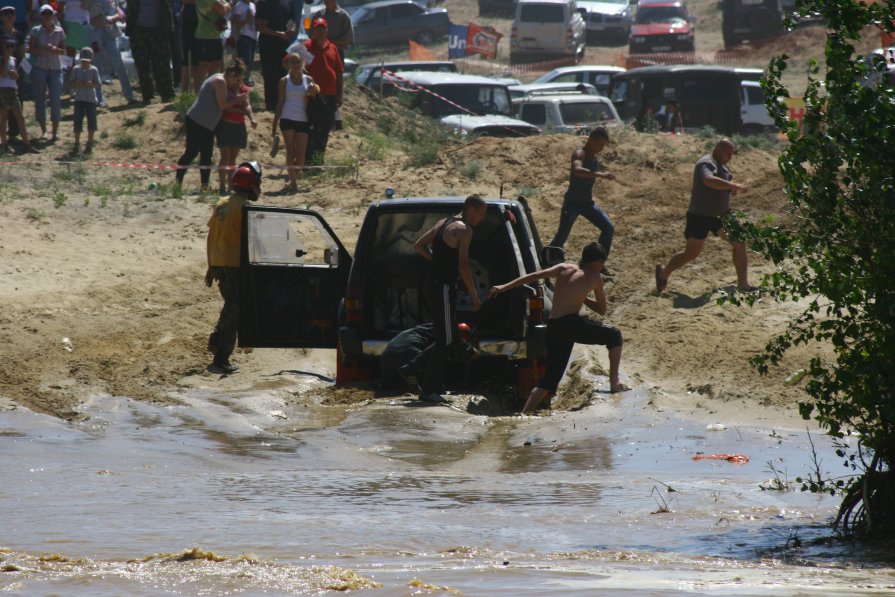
578 200
449 239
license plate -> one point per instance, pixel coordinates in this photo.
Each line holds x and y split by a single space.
661 48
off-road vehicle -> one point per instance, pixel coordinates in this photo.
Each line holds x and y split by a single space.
750 20
301 288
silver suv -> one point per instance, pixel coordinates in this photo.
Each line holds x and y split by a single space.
567 113
547 28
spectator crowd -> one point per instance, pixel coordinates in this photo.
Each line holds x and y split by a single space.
60 50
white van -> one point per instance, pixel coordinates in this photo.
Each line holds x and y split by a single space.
547 28
754 116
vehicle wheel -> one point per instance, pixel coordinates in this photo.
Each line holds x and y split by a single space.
425 37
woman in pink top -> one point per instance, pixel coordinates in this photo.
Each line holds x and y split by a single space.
231 133
296 89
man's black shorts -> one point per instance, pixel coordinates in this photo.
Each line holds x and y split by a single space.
698 227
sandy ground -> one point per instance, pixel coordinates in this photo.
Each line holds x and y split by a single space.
106 257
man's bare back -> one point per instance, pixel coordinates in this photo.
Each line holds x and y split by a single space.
573 285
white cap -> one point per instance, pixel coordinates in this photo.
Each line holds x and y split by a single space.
46 7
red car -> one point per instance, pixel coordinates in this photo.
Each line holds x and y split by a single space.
661 26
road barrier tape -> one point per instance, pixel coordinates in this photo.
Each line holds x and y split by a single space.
414 86
145 166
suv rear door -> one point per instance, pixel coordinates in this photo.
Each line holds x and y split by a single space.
542 26
294 275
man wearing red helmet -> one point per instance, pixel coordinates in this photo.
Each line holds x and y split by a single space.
223 250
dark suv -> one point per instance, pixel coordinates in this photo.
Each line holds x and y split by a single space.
302 289
750 20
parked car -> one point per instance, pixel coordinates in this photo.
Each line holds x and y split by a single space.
754 115
467 103
597 75
301 288
496 7
545 28
706 95
567 113
396 21
661 26
370 75
609 21
750 20
521 91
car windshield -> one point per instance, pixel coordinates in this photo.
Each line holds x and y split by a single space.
660 14
475 98
584 113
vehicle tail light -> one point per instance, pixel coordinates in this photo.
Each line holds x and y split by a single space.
570 35
536 306
514 34
354 306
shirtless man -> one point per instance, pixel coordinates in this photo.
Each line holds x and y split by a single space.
574 284
449 239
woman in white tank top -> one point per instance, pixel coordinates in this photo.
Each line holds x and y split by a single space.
296 88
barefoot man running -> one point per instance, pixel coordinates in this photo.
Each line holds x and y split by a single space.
574 284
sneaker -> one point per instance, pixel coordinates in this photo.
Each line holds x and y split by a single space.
409 376
107 81
223 367
103 104
249 83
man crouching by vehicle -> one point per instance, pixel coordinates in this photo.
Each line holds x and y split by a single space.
224 235
574 283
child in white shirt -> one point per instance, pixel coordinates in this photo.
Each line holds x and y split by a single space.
84 83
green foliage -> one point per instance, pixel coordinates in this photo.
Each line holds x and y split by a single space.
182 103
838 254
137 120
472 169
35 215
59 199
124 141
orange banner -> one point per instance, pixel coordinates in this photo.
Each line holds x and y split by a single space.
419 51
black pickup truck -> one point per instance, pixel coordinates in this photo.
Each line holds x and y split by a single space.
303 289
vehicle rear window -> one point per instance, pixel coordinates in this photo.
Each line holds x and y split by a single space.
534 114
478 99
394 272
659 14
584 113
542 13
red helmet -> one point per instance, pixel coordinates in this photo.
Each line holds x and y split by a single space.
465 330
247 177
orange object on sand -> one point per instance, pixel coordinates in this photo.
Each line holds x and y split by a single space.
735 458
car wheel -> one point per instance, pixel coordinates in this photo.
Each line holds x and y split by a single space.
425 37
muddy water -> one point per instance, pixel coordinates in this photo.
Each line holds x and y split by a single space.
256 493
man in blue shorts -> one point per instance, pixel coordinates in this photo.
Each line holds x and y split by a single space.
709 204
574 285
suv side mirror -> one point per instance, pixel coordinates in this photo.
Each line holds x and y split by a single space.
583 12
551 256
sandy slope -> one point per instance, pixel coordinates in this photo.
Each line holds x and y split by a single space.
93 254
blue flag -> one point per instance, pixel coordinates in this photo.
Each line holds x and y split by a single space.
457 40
